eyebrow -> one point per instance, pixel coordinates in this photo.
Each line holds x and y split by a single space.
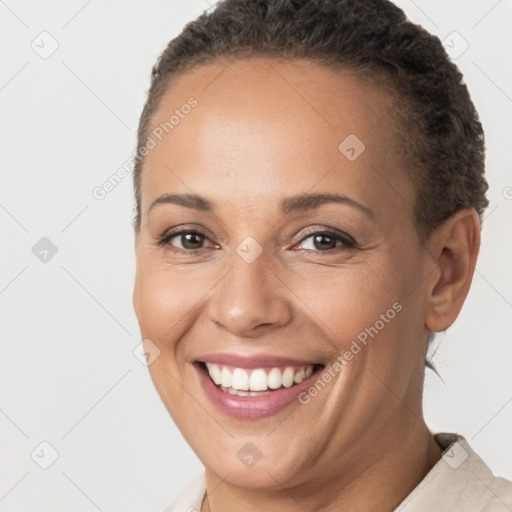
301 202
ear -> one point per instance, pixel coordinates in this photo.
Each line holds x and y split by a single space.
454 248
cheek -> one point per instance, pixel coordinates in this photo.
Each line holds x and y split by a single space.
156 302
159 309
166 299
350 300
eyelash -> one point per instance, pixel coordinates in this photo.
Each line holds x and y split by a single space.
347 241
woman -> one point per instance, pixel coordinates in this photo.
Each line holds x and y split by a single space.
309 190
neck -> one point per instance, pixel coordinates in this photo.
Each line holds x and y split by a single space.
381 482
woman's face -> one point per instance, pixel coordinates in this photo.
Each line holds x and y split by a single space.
255 275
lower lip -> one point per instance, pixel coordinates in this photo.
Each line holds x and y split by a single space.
252 407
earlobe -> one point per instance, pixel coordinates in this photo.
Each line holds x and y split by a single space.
454 247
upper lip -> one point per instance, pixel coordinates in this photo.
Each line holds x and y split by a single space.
255 361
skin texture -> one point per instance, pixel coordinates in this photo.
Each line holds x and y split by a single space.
263 130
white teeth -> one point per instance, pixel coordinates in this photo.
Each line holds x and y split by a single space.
274 378
252 383
288 375
258 380
225 378
215 373
299 376
240 380
236 392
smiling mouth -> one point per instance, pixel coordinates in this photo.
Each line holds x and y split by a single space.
256 381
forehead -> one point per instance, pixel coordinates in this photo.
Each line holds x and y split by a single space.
265 127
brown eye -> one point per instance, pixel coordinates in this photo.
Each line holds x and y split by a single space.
326 241
189 240
184 241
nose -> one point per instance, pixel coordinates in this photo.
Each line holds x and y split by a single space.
250 299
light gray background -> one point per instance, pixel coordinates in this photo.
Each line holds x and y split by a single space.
68 373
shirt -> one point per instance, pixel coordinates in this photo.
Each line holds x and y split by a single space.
460 481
